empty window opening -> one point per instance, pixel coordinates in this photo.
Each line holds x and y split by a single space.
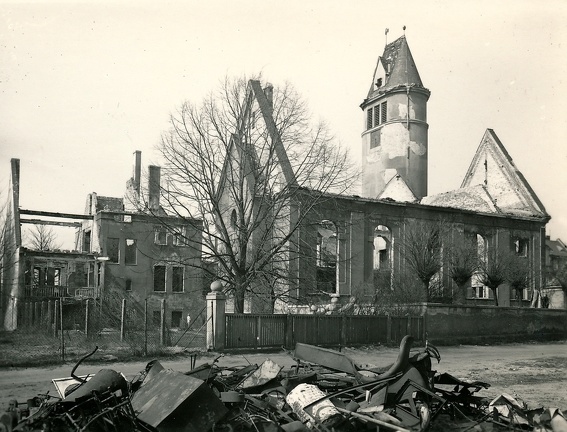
382 255
112 251
91 282
327 253
130 252
177 279
87 241
176 317
180 238
159 278
52 277
478 289
160 235
521 247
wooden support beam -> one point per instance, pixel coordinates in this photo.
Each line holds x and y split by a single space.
55 214
46 222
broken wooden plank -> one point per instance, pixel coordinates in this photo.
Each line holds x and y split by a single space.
46 222
55 214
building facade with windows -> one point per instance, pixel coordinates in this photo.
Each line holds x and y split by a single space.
125 247
146 253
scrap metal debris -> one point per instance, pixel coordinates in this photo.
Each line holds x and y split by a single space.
325 391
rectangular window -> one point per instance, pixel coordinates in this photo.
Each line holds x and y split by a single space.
130 252
521 247
87 241
159 278
177 279
176 316
180 238
384 112
53 276
91 274
376 115
37 280
160 235
128 284
99 274
112 250
369 118
481 292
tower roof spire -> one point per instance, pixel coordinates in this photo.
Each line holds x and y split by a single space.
395 67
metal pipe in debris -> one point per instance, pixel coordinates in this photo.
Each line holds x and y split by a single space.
373 420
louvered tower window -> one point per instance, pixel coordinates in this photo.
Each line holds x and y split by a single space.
376 115
369 118
384 109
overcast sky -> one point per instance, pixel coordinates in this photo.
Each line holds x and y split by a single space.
85 84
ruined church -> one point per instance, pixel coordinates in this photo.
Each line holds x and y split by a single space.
351 240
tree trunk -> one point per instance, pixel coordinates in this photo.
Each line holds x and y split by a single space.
426 288
239 294
239 299
495 293
461 297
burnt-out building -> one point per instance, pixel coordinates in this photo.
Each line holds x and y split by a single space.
345 242
125 248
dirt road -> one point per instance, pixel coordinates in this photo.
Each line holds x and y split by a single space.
537 373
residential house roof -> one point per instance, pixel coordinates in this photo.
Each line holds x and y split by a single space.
556 248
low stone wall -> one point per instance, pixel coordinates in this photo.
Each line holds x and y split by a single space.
449 324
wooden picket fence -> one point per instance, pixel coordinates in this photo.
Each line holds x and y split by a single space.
254 331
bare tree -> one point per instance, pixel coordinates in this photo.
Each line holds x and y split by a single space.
462 260
396 295
43 238
518 275
493 271
422 248
249 165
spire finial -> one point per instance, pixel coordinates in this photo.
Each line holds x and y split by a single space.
404 30
386 34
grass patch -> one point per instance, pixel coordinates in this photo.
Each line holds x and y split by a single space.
29 349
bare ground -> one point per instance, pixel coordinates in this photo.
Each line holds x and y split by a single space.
537 373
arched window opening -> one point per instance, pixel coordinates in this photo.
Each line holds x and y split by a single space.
382 257
233 219
327 256
479 290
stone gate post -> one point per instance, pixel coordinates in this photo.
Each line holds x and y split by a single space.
216 321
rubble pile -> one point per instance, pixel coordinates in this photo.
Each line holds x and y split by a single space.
324 391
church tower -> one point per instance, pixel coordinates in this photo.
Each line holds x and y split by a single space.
394 141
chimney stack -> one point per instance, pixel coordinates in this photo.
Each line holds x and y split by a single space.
154 187
137 170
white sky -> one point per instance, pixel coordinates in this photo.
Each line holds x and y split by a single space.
84 84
